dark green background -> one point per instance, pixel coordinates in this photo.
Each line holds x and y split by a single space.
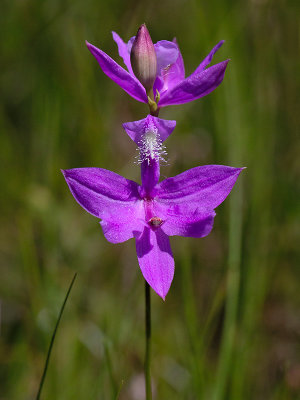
230 326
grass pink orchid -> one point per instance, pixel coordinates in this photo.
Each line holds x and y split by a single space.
170 85
182 205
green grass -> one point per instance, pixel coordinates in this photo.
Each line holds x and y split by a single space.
229 328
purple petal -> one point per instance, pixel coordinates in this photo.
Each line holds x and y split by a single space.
119 75
135 130
180 220
207 59
156 260
124 50
166 54
110 197
179 63
129 219
150 173
159 85
202 188
173 74
195 86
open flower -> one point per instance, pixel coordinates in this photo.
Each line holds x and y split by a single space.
151 212
170 85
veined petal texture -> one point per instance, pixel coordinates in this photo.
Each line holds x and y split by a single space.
108 196
123 78
195 86
155 259
124 50
207 60
166 54
180 220
100 191
205 187
174 73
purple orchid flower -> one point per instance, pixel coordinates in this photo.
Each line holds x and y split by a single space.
151 212
170 85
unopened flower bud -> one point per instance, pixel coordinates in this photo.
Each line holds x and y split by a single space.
143 58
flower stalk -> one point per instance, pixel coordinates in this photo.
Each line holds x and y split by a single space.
148 342
152 102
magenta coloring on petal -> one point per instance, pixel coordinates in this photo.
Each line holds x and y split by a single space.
182 205
161 66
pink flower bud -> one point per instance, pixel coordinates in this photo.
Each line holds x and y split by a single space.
143 58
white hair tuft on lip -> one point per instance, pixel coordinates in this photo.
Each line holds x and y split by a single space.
151 146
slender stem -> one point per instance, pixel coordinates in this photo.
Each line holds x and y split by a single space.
53 337
148 342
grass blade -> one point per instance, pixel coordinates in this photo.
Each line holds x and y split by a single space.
53 338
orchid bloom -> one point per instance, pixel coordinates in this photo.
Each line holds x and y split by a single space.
170 86
151 212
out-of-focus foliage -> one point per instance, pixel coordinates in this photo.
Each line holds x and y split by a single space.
230 326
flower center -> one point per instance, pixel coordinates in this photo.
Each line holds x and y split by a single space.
155 221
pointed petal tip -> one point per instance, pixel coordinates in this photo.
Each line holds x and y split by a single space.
160 294
89 46
115 35
240 169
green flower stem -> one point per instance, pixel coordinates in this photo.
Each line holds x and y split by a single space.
152 102
148 342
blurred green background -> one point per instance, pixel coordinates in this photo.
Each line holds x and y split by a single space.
230 326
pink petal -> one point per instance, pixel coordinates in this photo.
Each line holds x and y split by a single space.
174 73
207 59
156 260
202 188
180 220
195 86
166 54
119 75
124 50
136 129
108 196
120 224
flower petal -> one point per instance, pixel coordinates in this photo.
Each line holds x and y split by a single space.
195 86
108 196
182 221
173 74
124 50
155 259
130 219
166 54
208 58
136 129
202 188
119 75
